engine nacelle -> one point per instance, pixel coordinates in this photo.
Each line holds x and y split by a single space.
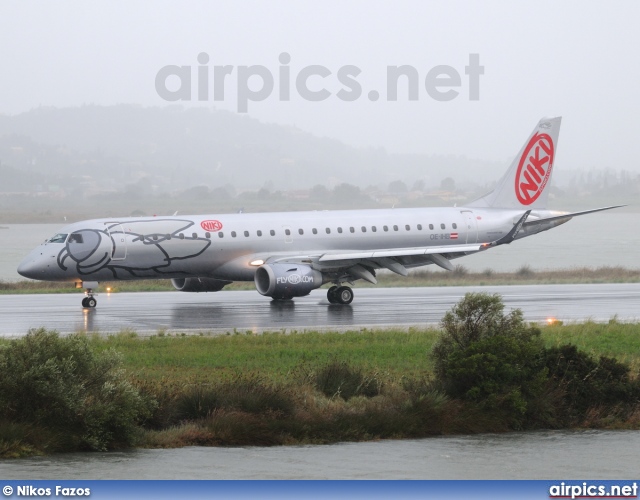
198 284
284 281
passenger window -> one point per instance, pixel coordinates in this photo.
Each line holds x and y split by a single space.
75 238
431 226
181 236
395 228
206 235
287 232
155 237
374 229
300 231
352 229
194 236
259 233
386 228
272 232
233 234
407 227
246 234
419 227
455 226
340 230
364 229
168 236
442 226
328 231
220 234
314 231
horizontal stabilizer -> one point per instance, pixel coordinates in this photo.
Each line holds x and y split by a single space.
568 216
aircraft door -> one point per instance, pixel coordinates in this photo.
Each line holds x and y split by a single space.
471 225
119 239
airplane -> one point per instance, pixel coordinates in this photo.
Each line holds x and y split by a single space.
289 254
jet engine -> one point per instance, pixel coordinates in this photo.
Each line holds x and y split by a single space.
284 281
198 284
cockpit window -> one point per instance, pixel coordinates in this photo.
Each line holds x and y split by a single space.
59 238
75 238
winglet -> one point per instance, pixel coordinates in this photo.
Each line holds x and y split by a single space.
511 235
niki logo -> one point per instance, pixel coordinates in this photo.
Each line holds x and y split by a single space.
534 168
211 225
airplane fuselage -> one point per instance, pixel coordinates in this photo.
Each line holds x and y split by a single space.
224 246
289 254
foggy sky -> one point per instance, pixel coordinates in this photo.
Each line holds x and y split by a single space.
542 58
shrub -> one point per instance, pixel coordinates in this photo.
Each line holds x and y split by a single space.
459 271
61 385
500 374
490 359
339 379
525 271
254 395
246 394
197 402
587 383
476 317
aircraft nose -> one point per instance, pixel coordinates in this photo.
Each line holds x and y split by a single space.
37 265
29 268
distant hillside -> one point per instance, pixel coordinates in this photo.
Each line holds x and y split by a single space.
174 148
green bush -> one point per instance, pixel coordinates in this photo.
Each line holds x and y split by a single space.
587 383
197 402
339 379
490 359
60 384
246 394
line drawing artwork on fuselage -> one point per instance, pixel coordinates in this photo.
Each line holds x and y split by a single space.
92 250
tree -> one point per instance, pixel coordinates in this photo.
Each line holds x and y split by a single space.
448 184
398 187
319 192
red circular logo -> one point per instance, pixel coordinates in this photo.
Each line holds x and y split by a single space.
534 168
211 225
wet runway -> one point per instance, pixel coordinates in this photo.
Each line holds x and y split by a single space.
248 311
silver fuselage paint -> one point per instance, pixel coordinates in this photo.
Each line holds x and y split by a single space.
191 246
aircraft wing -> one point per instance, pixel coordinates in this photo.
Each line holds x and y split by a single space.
358 263
398 252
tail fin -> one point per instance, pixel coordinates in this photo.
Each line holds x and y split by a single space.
526 183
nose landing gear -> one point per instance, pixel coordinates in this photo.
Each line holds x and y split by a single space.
89 301
340 295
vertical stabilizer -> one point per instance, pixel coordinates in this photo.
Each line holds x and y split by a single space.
526 183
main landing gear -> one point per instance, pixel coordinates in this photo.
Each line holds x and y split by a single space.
340 295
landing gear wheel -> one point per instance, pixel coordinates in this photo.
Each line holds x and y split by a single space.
89 302
344 295
332 296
